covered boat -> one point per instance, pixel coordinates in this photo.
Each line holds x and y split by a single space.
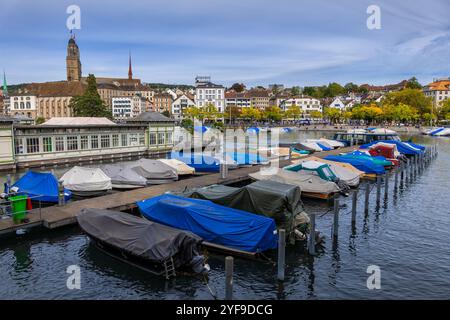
40 186
311 185
321 143
272 199
345 172
334 143
360 163
86 181
407 148
145 244
180 167
313 146
202 162
156 172
247 159
216 224
123 176
380 160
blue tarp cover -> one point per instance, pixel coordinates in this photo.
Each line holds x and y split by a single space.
198 161
323 147
201 129
41 186
214 223
362 164
243 158
402 147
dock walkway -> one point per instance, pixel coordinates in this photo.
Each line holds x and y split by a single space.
58 216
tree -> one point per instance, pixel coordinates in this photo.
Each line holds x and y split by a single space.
413 84
351 87
316 114
296 91
309 91
187 124
232 112
334 89
444 111
272 113
293 111
238 87
251 113
89 104
39 120
166 113
414 98
333 114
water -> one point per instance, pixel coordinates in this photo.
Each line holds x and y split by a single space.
407 237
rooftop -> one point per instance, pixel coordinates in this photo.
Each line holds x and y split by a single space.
150 116
77 121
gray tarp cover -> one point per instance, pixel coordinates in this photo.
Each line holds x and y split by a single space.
121 173
269 198
139 236
154 170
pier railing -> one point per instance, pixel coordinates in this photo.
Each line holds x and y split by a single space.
7 208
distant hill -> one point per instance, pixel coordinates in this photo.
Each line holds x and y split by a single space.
159 86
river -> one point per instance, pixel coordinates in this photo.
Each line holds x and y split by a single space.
407 238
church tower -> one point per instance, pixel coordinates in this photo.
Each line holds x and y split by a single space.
73 64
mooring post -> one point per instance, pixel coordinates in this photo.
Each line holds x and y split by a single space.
354 202
402 169
378 188
411 171
396 178
223 170
312 235
229 261
335 230
386 185
281 253
290 153
366 199
61 199
8 182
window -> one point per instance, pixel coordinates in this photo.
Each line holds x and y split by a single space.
28 105
94 142
105 141
141 139
72 143
115 140
161 138
152 138
59 143
47 144
84 142
124 139
133 139
32 145
169 137
19 146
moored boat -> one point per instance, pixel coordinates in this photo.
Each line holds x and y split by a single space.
85 182
179 166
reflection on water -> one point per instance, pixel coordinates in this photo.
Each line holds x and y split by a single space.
406 236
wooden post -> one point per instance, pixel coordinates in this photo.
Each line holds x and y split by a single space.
378 188
366 199
402 173
335 230
411 169
312 235
8 182
396 179
281 253
223 170
290 153
229 278
386 185
354 202
61 199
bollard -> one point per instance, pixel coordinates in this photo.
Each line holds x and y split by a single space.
354 202
290 153
229 278
281 253
366 199
312 235
223 170
402 172
411 170
386 185
378 188
8 183
61 200
396 179
335 230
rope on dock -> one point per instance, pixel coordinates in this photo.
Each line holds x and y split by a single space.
209 288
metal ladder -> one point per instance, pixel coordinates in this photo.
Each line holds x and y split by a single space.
169 268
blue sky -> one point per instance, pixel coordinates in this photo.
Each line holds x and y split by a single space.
295 42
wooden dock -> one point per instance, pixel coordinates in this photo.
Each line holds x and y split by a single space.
58 216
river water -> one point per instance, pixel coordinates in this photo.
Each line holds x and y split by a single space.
407 237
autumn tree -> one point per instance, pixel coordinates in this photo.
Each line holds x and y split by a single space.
89 104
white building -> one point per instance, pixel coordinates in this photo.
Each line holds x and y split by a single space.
180 104
237 99
338 104
128 107
438 90
207 93
23 105
306 103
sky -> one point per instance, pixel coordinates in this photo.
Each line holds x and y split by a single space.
257 42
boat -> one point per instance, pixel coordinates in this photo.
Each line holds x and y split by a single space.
311 185
380 160
85 182
179 166
156 172
123 176
345 172
247 159
387 150
272 199
147 245
369 167
333 143
219 225
321 143
406 148
40 186
362 136
441 131
313 146
202 162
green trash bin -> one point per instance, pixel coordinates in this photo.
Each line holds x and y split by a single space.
19 207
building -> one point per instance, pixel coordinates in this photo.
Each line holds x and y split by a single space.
278 99
162 102
2 105
208 93
338 104
181 103
386 88
237 99
438 90
73 62
128 107
306 103
25 105
259 98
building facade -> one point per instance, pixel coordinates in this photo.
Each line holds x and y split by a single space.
128 107
438 91
73 62
180 104
208 93
162 102
24 105
306 103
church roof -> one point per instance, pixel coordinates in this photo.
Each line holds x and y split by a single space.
56 89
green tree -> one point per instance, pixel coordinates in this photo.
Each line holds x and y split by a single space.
89 104
238 87
413 84
351 87
293 111
39 120
334 89
444 110
414 98
166 113
316 114
333 114
272 113
296 91
251 113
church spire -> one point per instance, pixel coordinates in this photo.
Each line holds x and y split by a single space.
130 72
5 86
